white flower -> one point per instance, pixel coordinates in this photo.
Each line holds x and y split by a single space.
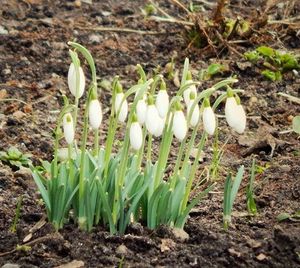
123 108
209 120
72 81
136 136
68 127
241 119
235 115
95 114
162 103
195 115
179 125
160 126
187 92
152 119
141 111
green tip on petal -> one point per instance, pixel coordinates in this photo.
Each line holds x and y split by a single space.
192 95
178 106
150 100
189 75
206 102
119 87
94 94
229 92
163 85
69 118
134 118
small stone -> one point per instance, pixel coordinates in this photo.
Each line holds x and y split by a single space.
72 264
10 265
253 243
3 31
122 249
180 234
167 244
18 115
261 257
6 71
290 118
233 252
77 3
94 38
3 94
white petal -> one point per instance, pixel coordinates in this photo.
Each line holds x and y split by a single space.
68 127
230 111
187 92
195 115
160 127
209 120
136 136
152 119
123 108
240 125
72 81
179 125
141 111
162 103
95 114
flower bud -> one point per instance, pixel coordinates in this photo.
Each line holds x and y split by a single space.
68 127
152 119
122 108
136 135
141 111
179 124
241 119
95 114
162 101
196 112
230 111
72 81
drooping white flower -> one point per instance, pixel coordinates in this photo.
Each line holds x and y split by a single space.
235 115
240 125
160 126
122 108
188 91
152 119
95 114
136 135
196 112
162 101
68 127
209 120
230 111
179 125
141 111
72 81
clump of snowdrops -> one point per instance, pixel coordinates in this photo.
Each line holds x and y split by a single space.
115 185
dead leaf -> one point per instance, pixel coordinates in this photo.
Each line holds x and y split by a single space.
19 115
3 94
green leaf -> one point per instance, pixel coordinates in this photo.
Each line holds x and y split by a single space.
273 76
296 124
283 216
215 68
41 187
236 185
266 51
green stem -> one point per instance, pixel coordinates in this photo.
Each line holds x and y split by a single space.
96 142
149 147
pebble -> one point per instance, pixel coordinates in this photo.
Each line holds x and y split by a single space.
18 115
122 249
180 234
94 38
3 31
77 3
290 118
261 257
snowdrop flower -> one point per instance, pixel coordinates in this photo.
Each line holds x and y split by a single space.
162 101
135 134
196 112
95 114
119 105
235 113
241 118
152 117
68 127
72 81
191 88
209 118
141 111
179 123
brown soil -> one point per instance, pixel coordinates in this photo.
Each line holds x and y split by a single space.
33 67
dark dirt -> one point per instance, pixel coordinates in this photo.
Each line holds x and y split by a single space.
33 67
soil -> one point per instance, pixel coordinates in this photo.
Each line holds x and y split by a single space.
33 68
